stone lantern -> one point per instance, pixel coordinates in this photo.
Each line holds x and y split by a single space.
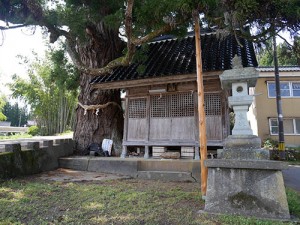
242 180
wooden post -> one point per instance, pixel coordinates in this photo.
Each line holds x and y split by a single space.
201 111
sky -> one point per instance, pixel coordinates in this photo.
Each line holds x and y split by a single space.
17 42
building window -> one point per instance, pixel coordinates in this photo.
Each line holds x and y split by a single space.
296 88
291 126
287 89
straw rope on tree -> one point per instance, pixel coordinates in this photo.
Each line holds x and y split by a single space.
97 107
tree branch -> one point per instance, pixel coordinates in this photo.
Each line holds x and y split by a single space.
128 29
284 40
152 35
13 27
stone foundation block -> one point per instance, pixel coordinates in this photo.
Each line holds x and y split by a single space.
247 191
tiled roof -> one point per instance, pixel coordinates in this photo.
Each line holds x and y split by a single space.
281 68
177 57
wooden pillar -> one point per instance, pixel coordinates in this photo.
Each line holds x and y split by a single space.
201 111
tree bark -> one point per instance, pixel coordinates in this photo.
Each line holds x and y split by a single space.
105 45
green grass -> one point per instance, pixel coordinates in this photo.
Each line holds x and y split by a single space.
15 136
296 162
294 202
31 201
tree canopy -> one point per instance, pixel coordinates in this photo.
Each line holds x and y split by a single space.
2 104
140 21
287 55
51 92
15 114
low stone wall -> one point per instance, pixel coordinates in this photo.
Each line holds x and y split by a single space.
31 157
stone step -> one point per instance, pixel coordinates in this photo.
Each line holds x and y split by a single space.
166 176
100 164
167 165
173 170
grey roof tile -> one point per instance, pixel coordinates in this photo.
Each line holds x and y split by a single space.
177 56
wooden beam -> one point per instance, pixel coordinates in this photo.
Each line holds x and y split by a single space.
155 81
201 111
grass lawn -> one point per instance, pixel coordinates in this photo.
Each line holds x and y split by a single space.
129 201
14 137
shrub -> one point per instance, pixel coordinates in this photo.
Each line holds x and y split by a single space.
33 130
270 143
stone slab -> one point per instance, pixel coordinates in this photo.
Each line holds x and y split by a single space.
117 166
242 142
247 74
246 164
257 193
75 163
189 169
166 176
165 165
247 154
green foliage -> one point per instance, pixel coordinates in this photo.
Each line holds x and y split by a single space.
15 136
264 18
33 130
18 116
231 120
269 143
51 92
287 55
2 104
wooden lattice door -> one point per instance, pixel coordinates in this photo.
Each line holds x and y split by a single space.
172 117
137 119
213 111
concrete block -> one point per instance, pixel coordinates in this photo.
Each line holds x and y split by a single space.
47 161
246 164
166 165
57 141
242 142
113 165
196 171
15 148
166 176
75 163
47 143
248 192
33 145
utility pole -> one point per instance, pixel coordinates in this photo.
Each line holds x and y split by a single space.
281 144
201 111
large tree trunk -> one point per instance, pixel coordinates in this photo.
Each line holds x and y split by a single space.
104 46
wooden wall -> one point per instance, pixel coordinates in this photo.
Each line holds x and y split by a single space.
170 116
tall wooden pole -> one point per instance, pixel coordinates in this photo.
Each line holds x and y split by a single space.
201 111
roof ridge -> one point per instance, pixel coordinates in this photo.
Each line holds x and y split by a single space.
177 38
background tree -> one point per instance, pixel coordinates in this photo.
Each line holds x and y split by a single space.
51 92
287 54
2 104
18 116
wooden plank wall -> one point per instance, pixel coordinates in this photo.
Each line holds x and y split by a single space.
168 129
